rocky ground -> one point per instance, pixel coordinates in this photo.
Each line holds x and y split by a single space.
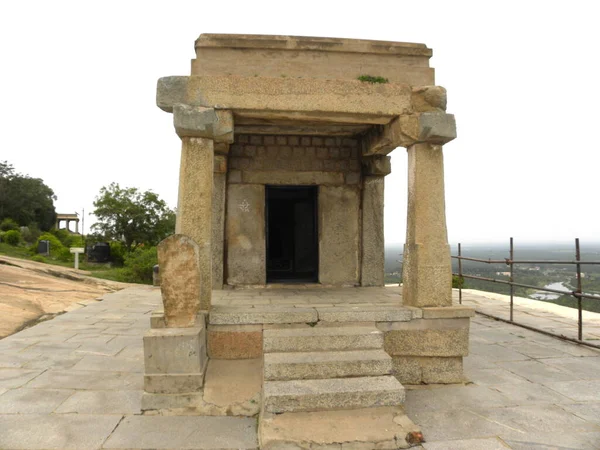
32 291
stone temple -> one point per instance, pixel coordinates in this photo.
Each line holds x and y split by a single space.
279 251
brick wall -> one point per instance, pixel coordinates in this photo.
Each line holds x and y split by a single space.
280 159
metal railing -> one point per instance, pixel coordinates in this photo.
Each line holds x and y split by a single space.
578 294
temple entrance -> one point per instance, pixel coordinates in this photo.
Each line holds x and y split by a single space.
292 237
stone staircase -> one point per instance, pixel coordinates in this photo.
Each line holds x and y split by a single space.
327 368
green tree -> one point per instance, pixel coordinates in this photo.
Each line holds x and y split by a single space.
132 216
24 199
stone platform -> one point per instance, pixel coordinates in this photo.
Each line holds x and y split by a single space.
75 382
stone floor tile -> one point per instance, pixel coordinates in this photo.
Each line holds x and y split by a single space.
556 441
497 352
536 371
114 364
88 380
32 401
539 418
579 391
14 378
492 376
492 443
587 411
530 394
102 402
533 349
184 432
584 368
444 425
53 361
55 431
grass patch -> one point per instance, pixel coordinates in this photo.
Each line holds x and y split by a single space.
372 79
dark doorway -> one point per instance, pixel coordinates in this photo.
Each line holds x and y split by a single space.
292 237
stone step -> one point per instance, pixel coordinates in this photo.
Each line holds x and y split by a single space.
322 338
318 365
236 315
332 393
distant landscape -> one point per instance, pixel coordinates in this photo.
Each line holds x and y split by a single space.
553 276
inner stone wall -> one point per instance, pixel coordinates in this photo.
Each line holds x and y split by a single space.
332 163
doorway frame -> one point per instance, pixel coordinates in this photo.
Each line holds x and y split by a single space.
282 187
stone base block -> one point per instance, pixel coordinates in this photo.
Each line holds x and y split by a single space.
175 359
235 341
164 402
356 429
428 370
427 337
173 383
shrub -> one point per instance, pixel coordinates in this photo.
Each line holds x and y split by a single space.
57 249
117 253
12 237
458 282
9 224
139 264
372 79
38 258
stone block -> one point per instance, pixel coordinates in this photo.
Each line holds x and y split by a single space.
235 316
157 319
365 314
321 365
378 165
291 177
245 234
173 383
376 428
335 393
322 339
175 359
339 235
430 370
171 91
436 128
427 337
373 252
197 121
179 261
235 341
448 312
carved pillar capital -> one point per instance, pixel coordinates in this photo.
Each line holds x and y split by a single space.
376 165
198 121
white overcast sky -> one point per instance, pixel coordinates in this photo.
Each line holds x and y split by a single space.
78 79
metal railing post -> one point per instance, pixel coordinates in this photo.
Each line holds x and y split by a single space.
460 277
512 288
578 292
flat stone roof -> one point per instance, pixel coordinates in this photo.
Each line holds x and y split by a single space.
325 44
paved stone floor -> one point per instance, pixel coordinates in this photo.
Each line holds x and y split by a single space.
75 382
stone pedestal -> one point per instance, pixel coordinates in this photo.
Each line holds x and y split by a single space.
175 360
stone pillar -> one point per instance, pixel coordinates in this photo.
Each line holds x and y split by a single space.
199 129
218 215
194 205
427 274
427 271
77 226
375 168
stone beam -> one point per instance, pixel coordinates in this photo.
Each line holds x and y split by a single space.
282 94
197 121
434 127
